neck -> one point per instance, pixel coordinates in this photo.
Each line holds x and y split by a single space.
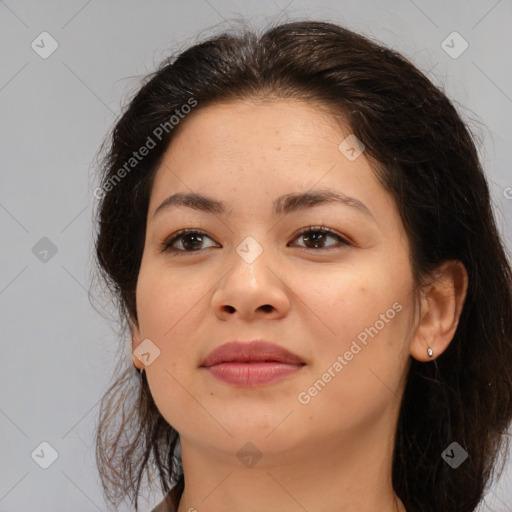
339 475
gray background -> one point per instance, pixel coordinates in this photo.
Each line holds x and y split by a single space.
57 351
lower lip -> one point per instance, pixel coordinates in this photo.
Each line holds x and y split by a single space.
252 374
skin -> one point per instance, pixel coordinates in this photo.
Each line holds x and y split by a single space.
335 452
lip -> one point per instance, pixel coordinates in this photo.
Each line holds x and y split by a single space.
252 363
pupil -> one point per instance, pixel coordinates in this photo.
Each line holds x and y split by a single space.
316 237
193 236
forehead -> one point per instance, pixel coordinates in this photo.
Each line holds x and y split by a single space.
265 137
254 123
246 152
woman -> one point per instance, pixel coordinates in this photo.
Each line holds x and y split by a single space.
299 235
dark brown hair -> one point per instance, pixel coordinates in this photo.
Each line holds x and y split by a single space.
424 155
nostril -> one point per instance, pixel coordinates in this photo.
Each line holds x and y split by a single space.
267 307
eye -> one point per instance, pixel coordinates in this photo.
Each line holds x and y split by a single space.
317 236
189 240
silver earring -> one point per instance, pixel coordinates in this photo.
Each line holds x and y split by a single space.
430 352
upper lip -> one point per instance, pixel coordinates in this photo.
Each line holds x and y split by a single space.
257 350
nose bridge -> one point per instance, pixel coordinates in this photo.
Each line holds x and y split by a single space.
252 282
250 250
251 262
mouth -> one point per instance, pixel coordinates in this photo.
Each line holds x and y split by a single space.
251 364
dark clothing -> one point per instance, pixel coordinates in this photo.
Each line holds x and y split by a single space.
164 506
171 501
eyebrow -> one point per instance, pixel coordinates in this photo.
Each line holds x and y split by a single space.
281 206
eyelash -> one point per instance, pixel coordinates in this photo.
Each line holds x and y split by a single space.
166 246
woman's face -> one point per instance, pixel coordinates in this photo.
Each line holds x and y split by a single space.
340 301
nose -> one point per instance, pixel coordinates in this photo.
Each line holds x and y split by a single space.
252 290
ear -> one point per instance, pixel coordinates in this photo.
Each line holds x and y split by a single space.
136 340
441 306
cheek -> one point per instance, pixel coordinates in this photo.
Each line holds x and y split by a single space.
164 300
168 309
367 316
167 318
359 377
347 301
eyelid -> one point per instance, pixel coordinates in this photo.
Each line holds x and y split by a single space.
323 229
